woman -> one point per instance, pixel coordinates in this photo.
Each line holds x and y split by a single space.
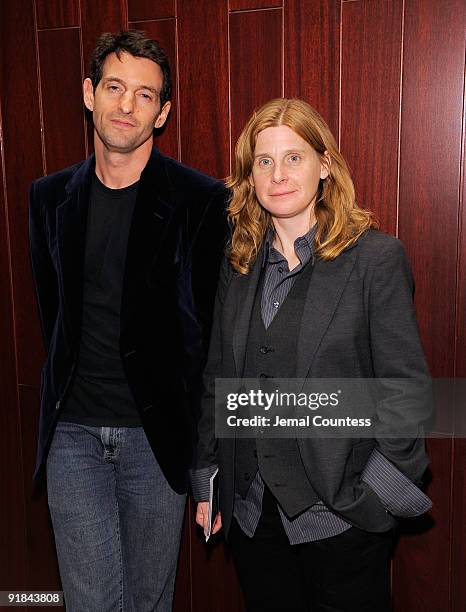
310 290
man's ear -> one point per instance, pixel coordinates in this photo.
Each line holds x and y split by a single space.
325 163
88 94
162 116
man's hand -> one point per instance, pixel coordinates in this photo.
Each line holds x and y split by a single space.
202 518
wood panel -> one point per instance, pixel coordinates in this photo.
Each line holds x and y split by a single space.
57 14
428 214
23 162
96 18
42 561
256 68
370 103
203 78
62 107
12 513
242 5
421 562
312 55
430 162
459 455
165 32
148 9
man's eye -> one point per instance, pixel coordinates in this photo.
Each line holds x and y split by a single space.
146 96
294 158
113 87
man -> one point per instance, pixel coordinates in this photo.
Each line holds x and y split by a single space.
125 251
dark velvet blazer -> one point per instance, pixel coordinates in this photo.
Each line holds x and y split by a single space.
175 245
358 322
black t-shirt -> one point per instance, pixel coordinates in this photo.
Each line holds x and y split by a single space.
99 394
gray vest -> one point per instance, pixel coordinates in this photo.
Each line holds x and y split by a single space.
272 353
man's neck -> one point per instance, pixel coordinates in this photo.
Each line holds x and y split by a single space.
117 170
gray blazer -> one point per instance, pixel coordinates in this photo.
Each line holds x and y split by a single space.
358 322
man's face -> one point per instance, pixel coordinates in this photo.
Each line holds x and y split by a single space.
126 103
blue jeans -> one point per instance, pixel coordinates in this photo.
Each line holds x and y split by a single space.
116 520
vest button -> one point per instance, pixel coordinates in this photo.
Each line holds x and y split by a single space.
247 477
263 350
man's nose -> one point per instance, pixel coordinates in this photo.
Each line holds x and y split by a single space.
126 102
278 173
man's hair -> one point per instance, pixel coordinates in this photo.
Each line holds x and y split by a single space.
340 221
135 43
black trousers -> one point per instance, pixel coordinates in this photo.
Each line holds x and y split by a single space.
349 572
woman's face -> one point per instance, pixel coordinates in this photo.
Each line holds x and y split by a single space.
286 173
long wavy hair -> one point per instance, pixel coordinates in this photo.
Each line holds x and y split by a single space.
340 221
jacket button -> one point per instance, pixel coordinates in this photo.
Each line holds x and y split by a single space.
263 375
247 477
57 405
129 353
263 350
148 407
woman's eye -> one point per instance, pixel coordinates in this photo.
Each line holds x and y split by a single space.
265 162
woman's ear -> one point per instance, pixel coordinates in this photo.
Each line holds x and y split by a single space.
325 163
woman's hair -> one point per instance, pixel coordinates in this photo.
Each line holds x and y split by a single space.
340 222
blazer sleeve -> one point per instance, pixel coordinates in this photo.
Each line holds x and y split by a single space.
43 271
206 450
211 237
399 364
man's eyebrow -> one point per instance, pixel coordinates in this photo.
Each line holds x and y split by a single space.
141 86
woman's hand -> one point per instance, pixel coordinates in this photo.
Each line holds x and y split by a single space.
202 518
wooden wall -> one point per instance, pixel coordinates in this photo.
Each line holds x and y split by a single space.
388 76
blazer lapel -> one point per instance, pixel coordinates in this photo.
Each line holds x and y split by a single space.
245 287
328 281
71 220
149 231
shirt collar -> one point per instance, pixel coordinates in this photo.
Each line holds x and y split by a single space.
303 246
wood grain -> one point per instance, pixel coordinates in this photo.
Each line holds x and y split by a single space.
63 14
62 104
420 568
312 55
148 9
203 78
370 103
256 69
430 167
96 18
242 5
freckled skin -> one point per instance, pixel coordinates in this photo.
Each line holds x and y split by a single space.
286 173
